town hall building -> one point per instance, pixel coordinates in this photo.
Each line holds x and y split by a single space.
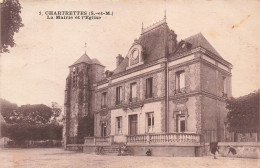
164 92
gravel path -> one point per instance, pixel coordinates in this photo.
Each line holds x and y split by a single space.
58 158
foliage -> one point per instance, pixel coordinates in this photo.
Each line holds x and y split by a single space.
244 112
24 131
31 114
56 118
11 22
7 109
86 126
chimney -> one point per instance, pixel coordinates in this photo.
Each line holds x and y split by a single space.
119 59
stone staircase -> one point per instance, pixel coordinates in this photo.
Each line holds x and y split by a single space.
114 150
111 150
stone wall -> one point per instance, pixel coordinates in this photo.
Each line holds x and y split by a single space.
141 112
212 80
244 149
192 77
158 89
189 107
172 151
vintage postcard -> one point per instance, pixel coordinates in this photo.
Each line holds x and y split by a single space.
129 83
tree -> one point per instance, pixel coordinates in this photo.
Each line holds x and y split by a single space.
24 131
243 113
7 109
34 114
56 118
11 22
30 114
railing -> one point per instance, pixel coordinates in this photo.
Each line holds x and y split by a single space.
164 138
137 138
153 25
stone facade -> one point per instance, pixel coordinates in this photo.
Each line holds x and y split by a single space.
79 93
161 86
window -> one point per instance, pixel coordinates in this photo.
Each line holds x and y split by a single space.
180 82
150 122
181 123
75 77
149 88
104 129
133 97
118 125
118 95
104 100
224 86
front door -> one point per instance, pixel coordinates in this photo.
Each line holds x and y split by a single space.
133 124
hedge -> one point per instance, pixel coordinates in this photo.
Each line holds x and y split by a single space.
22 132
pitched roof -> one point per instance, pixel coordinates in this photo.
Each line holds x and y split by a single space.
96 61
153 43
199 40
122 66
85 59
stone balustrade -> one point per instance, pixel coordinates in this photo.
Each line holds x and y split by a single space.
164 138
146 139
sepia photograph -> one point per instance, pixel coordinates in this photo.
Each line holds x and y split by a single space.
117 83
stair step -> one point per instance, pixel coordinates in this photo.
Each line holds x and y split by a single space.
114 150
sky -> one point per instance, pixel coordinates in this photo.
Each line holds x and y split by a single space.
35 70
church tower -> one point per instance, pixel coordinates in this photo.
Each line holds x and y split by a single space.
79 93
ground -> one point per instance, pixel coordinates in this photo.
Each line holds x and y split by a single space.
58 158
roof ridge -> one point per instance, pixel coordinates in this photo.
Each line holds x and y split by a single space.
156 24
200 40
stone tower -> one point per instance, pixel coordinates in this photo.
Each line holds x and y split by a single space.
79 92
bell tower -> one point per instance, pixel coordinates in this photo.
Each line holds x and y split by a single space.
79 93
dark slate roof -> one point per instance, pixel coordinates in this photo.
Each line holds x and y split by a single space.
122 66
96 61
153 43
85 59
198 40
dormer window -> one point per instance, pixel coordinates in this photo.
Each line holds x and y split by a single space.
135 56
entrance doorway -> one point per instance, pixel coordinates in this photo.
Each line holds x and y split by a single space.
133 124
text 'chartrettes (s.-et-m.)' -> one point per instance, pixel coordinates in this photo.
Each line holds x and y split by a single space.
87 15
